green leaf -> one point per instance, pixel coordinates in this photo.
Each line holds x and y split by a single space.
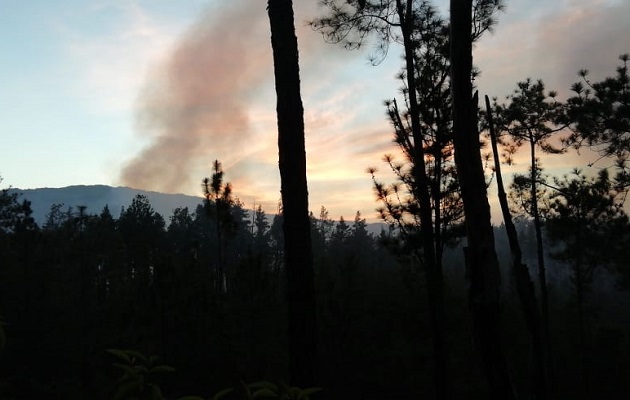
264 384
222 393
141 369
127 368
294 392
191 398
126 390
246 391
162 368
264 393
306 393
153 359
284 391
156 392
120 354
136 355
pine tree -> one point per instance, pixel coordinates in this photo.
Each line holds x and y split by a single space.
481 258
588 226
529 118
599 116
297 239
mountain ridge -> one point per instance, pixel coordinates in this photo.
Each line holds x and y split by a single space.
96 197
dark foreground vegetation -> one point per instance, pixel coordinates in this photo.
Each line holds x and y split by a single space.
84 283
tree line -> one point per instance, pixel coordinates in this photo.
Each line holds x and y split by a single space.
83 283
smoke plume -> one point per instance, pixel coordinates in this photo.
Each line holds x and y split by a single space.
194 107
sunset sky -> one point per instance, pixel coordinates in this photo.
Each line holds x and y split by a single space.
148 93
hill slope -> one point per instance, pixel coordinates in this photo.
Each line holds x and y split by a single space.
95 197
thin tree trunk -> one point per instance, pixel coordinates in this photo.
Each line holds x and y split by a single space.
580 287
579 283
437 201
434 274
524 284
542 271
219 271
481 258
296 225
542 275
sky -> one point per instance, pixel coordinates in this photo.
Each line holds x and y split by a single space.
147 93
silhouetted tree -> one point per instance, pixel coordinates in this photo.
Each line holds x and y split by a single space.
261 233
588 227
142 233
520 195
219 203
599 115
524 284
13 214
297 239
417 26
481 259
529 118
19 258
341 232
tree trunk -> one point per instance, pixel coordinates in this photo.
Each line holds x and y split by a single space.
292 162
542 271
580 287
542 275
435 287
218 286
481 259
524 284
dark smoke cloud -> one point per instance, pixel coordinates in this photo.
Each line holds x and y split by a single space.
194 107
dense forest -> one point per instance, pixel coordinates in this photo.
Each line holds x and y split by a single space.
84 283
439 305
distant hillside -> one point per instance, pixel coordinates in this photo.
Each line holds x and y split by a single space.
95 197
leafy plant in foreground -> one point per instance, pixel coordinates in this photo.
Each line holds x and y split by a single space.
138 380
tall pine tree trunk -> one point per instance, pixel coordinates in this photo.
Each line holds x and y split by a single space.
542 271
435 286
542 274
524 284
296 225
580 287
481 259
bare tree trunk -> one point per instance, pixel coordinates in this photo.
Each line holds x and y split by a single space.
542 271
542 275
481 259
435 286
218 286
292 162
580 286
524 285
